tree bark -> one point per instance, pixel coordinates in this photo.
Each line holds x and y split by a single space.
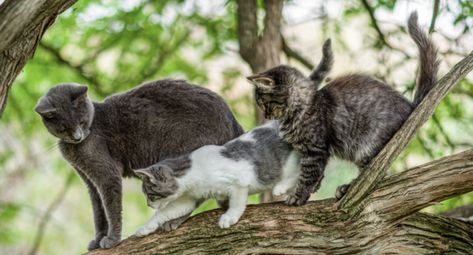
22 24
387 224
263 51
382 218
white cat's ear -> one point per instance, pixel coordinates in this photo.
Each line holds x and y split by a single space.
143 173
261 81
78 92
45 109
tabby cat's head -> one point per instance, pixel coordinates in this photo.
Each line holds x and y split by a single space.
273 89
159 184
67 112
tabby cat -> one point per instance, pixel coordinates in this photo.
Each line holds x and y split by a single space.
352 117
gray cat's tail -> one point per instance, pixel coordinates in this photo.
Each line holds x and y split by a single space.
429 63
324 66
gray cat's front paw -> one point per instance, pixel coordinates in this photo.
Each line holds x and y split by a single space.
295 200
109 242
341 191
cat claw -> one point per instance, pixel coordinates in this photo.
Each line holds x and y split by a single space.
296 201
109 242
226 221
341 191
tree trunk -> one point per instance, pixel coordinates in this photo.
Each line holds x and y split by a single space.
378 215
263 51
22 24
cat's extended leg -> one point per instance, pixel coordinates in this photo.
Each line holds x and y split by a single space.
179 208
100 220
237 206
175 223
312 172
110 190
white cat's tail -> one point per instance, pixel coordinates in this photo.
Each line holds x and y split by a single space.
428 61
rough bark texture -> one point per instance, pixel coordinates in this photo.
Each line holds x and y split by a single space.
22 24
379 217
262 51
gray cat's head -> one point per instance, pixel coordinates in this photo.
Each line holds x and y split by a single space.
67 112
273 89
159 184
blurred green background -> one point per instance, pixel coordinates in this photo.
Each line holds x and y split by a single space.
114 45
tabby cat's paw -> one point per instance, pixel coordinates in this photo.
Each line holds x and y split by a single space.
341 191
294 200
109 242
94 244
227 220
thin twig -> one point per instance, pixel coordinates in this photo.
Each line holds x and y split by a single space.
47 214
435 12
78 68
374 22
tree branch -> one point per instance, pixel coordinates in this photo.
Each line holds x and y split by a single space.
435 12
79 69
22 24
47 214
295 55
405 193
316 228
247 28
374 22
376 169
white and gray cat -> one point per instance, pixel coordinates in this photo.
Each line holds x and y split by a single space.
252 163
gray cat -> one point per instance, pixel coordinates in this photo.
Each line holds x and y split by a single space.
252 163
352 117
105 141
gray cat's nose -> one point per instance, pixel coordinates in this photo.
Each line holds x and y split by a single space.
77 135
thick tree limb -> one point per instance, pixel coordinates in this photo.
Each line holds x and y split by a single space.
376 169
407 192
22 24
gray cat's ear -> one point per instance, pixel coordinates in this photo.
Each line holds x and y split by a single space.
78 92
144 173
45 109
261 81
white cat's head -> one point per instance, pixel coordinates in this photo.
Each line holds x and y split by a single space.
159 185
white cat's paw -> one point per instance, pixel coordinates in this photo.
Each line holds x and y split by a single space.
143 231
227 220
280 190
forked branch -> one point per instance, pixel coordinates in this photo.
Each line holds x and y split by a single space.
402 194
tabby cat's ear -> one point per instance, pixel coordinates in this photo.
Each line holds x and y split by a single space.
78 92
144 173
45 109
261 81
